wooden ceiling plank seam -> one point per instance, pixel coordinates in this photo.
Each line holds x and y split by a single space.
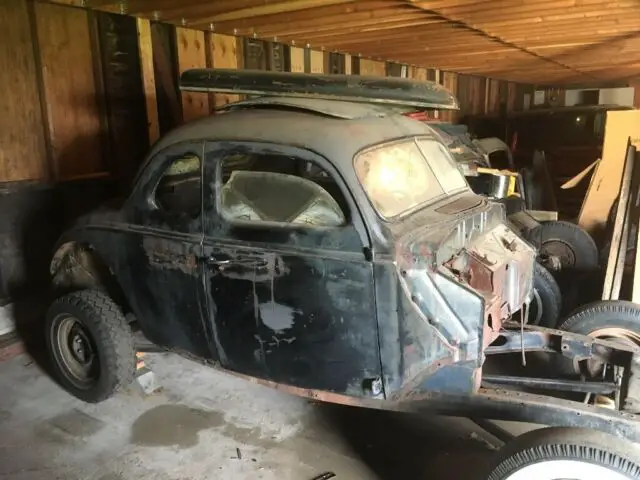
291 18
498 39
266 9
333 22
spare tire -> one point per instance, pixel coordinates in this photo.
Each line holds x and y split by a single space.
566 452
571 244
614 320
547 299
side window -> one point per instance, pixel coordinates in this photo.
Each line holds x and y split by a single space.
279 189
179 189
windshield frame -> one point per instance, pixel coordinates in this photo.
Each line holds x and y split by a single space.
415 139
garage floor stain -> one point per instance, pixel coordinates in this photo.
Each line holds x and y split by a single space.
173 425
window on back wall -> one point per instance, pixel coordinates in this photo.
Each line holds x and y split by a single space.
279 189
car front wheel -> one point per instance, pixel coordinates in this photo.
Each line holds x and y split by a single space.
567 453
90 345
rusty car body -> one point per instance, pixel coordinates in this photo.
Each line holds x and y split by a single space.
326 244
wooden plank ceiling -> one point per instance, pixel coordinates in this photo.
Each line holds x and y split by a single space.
542 41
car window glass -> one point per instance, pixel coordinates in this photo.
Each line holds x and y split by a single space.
179 188
400 176
279 189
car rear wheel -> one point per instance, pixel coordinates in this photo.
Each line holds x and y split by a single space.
567 453
547 299
570 244
90 344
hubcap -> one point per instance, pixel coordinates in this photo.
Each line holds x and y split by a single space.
74 351
560 250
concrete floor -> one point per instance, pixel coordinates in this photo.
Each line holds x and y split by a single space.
205 424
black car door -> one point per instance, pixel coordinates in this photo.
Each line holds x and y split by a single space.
290 290
162 271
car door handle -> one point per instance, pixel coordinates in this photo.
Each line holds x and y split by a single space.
216 262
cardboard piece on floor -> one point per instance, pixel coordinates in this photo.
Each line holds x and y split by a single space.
605 184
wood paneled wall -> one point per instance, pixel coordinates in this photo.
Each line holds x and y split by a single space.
78 109
22 136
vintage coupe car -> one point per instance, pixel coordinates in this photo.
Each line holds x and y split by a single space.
316 240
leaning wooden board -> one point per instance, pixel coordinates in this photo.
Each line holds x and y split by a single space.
605 183
626 219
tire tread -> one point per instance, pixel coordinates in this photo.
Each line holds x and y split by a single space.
566 443
112 335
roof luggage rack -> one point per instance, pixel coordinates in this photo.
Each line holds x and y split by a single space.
347 88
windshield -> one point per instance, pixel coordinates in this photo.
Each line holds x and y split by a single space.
400 176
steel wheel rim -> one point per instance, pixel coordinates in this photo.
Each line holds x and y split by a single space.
623 335
561 250
74 351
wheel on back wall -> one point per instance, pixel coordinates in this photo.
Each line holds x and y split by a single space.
567 453
568 242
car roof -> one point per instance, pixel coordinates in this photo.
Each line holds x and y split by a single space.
335 129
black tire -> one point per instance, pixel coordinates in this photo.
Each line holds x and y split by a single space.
547 303
579 251
536 450
603 314
104 332
588 319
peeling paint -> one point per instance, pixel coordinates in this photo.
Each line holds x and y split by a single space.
276 316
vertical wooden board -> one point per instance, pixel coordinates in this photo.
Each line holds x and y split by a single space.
70 91
297 59
366 68
478 93
123 95
223 54
605 184
317 61
165 68
191 48
145 49
481 89
512 95
22 142
494 96
334 63
276 56
461 94
378 69
394 69
636 95
355 65
326 62
431 74
254 53
347 64
418 73
450 82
